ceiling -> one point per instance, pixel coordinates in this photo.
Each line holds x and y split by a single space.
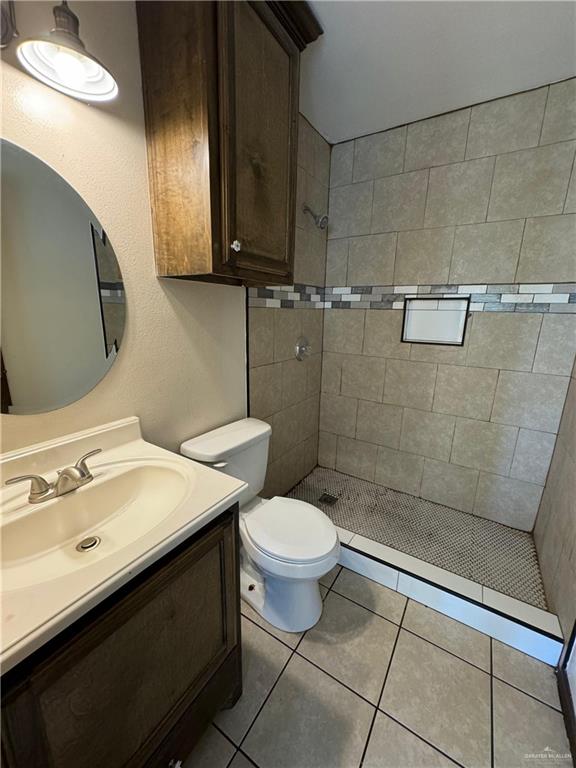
382 64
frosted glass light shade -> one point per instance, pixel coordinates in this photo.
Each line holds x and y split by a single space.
61 61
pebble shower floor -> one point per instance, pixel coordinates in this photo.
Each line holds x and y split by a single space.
484 551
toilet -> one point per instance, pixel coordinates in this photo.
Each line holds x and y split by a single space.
286 545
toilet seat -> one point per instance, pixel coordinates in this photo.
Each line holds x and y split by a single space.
290 538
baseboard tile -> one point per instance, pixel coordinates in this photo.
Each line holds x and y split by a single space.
522 626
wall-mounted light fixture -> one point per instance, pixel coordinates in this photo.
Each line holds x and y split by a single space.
61 61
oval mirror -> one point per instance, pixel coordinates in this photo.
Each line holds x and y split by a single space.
63 301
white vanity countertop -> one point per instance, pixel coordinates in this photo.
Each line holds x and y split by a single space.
34 610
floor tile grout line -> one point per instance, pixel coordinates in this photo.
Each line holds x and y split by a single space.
268 632
336 680
256 716
419 736
369 736
451 653
530 695
371 610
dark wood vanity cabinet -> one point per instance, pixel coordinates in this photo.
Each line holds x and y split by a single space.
220 84
136 681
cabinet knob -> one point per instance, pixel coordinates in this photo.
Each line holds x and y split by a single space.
236 245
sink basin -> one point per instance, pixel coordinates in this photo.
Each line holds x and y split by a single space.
143 502
121 504
100 507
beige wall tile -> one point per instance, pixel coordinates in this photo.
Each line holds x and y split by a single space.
343 330
321 159
427 434
556 345
309 257
327 450
301 174
465 391
380 154
505 125
442 353
309 452
383 333
336 261
567 431
313 374
265 390
379 423
500 340
408 383
506 500
486 253
532 456
363 377
332 372
423 256
482 445
531 182
437 141
293 382
560 117
532 400
371 259
341 162
548 250
312 327
399 202
399 471
356 458
338 415
260 336
308 417
459 193
350 210
285 432
570 205
287 330
305 144
449 485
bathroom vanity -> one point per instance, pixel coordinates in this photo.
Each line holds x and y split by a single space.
125 658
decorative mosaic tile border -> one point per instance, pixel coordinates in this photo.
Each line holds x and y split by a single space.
512 297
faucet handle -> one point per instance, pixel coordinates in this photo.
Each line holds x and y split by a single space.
81 465
38 486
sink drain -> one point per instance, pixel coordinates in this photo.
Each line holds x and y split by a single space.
90 542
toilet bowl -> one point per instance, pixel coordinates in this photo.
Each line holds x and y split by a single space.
286 545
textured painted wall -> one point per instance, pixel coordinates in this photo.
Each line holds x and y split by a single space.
182 363
480 201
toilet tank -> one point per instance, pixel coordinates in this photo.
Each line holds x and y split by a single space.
239 449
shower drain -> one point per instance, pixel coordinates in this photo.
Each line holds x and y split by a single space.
90 542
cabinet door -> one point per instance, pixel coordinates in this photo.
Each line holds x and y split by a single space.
112 694
259 123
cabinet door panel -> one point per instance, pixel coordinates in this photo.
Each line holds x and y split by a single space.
261 98
108 698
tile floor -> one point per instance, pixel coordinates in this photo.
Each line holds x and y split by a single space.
384 682
486 552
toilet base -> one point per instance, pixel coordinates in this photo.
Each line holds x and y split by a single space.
293 605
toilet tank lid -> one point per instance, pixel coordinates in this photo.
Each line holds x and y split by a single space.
225 441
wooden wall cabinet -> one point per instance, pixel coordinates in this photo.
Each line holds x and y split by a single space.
136 681
220 84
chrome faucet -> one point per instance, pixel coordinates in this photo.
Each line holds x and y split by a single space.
68 480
